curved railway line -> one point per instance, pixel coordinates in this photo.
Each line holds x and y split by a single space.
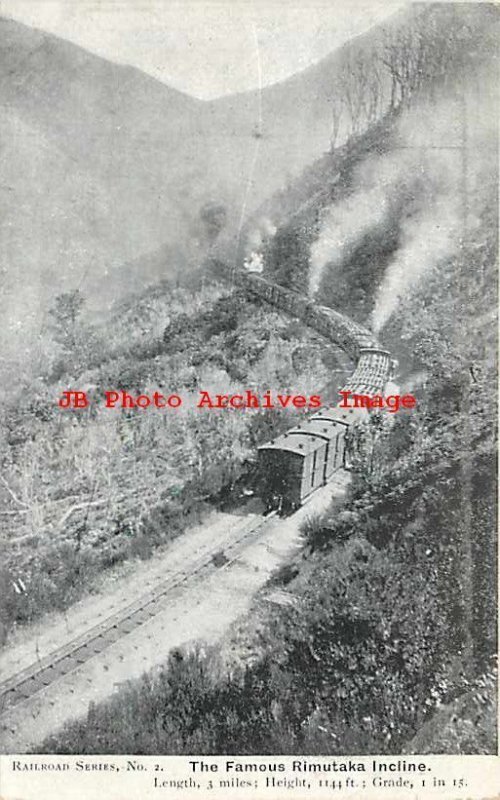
25 684
360 344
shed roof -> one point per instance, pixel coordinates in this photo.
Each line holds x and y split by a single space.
324 428
296 441
346 416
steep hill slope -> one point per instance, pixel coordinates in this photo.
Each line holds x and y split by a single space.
364 224
95 141
109 485
387 639
387 632
101 164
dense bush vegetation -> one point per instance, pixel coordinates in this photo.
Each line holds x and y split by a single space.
393 633
83 490
381 639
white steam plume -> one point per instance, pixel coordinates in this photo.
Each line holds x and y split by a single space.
417 189
268 227
258 236
377 182
427 239
342 226
454 170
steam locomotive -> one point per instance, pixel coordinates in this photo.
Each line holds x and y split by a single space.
296 464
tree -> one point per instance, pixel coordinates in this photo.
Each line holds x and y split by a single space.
65 313
353 78
437 44
358 91
337 108
373 90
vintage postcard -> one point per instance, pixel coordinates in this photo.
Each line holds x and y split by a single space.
248 399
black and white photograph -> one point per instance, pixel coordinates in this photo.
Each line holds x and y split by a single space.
248 382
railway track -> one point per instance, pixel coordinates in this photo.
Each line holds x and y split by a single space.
22 686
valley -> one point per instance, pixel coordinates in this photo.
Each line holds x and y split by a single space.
156 242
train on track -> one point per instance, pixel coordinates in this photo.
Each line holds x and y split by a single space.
300 461
289 469
297 463
335 327
293 466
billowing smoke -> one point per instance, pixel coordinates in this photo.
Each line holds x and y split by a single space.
268 227
426 239
412 198
260 234
214 217
382 187
453 157
254 262
341 227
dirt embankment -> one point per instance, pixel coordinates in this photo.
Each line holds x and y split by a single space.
203 609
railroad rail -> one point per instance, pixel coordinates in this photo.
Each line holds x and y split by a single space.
22 686
372 369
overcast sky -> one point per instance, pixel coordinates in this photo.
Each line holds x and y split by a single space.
206 49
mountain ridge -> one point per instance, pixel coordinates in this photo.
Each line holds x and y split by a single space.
101 164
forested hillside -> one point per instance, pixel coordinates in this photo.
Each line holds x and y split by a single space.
83 490
389 642
393 630
106 172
